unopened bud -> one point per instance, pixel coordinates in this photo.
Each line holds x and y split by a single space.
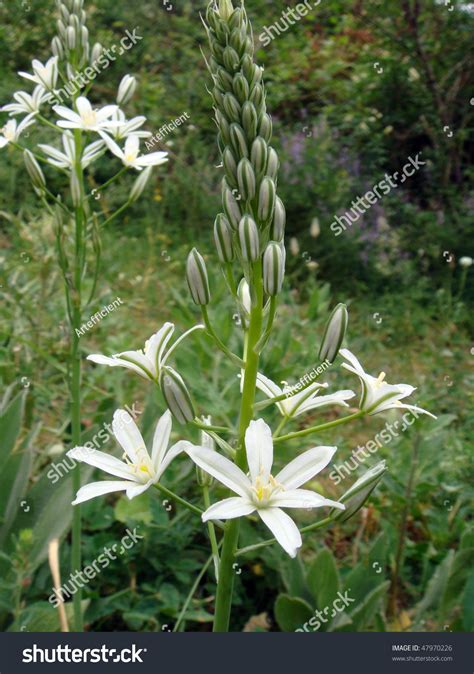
277 230
231 59
272 164
243 293
334 333
360 491
246 180
249 121
196 275
230 166
266 200
259 155
241 88
126 89
232 108
273 268
223 239
266 128
225 9
249 240
140 184
34 170
238 141
70 38
230 205
57 47
176 395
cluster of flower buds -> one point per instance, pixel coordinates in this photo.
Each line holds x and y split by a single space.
72 40
252 225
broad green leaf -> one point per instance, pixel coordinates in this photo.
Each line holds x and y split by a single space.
323 579
462 564
291 613
293 577
363 612
135 510
436 586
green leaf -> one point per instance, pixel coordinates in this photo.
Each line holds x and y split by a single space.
436 586
323 578
135 510
291 613
294 578
468 605
462 564
364 612
10 425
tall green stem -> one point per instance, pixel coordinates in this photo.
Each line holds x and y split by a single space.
231 532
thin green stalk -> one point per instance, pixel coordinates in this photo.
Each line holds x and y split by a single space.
235 359
321 427
191 594
231 531
117 212
170 494
271 541
283 396
212 533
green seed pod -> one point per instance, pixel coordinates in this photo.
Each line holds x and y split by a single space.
259 155
196 276
230 166
277 230
223 239
223 126
246 180
232 108
257 97
334 333
273 164
273 268
249 120
238 141
265 128
241 88
176 395
248 238
231 59
266 200
34 171
231 206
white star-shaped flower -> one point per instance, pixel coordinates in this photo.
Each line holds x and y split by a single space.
262 492
149 361
26 103
12 131
46 75
377 395
86 117
302 401
139 471
67 159
130 155
120 128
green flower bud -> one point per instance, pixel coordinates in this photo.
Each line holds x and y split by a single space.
245 301
230 166
224 80
61 28
217 52
249 120
218 98
241 88
273 268
70 38
34 171
248 49
259 155
273 164
238 141
225 9
277 230
232 108
223 125
265 128
247 67
360 491
248 238
176 395
57 47
257 97
96 52
334 333
230 205
64 13
223 239
84 37
266 200
238 19
196 276
255 76
231 59
222 31
246 179
237 41
212 16
140 184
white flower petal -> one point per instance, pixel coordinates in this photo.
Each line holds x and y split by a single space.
68 114
137 489
113 361
229 508
305 466
103 461
161 438
337 398
152 159
302 498
222 469
127 434
99 489
283 528
259 447
171 454
157 343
